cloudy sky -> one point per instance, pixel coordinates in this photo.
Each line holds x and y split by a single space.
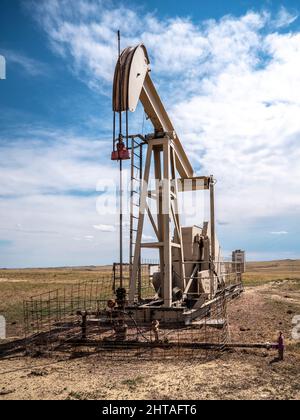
229 75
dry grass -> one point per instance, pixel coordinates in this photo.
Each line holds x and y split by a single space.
19 285
269 304
266 272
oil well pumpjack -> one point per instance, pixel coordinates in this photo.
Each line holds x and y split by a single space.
192 274
180 301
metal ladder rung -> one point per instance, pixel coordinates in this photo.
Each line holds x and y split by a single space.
135 194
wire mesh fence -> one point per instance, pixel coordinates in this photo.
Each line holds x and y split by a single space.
52 315
144 278
87 317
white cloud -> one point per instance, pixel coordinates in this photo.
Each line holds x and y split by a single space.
284 18
279 233
245 130
60 163
105 228
231 87
29 65
149 238
48 200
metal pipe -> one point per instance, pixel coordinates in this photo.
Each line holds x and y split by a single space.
140 258
212 220
121 224
186 345
120 87
127 131
121 165
114 132
84 326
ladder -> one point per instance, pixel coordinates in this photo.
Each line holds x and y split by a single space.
136 179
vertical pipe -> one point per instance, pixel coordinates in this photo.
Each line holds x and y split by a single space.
114 131
158 178
140 259
127 133
131 207
166 209
121 166
84 326
120 86
212 234
121 225
114 280
212 219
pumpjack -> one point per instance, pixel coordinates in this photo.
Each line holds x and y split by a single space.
192 273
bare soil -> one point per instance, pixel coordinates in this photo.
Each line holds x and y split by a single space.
256 317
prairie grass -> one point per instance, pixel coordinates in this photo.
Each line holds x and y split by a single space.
19 285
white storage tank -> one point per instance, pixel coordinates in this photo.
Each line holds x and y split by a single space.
239 261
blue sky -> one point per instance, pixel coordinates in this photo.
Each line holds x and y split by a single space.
228 74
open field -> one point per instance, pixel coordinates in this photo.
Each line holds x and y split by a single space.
264 272
271 300
19 285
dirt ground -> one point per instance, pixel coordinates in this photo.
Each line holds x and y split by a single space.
256 317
